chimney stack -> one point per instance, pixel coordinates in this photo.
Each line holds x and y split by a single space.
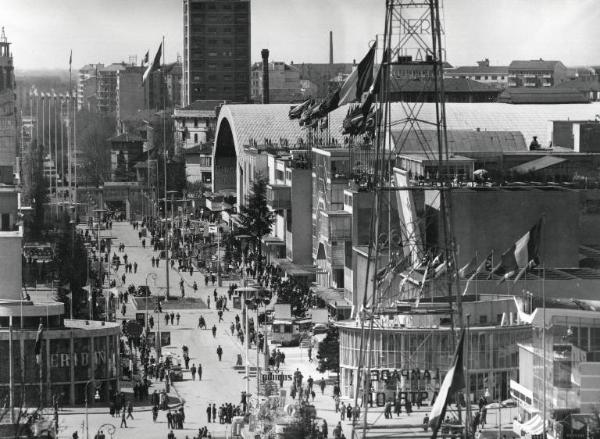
330 47
265 79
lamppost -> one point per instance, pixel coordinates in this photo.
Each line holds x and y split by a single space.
146 293
87 423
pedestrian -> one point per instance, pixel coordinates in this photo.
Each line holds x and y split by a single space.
214 331
130 410
171 435
177 316
208 302
123 277
199 371
310 353
193 370
135 267
172 317
206 280
151 321
214 412
322 384
170 419
213 278
209 413
220 313
232 327
154 412
342 411
124 418
195 286
219 352
144 245
166 318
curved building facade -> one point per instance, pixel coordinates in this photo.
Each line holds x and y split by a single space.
410 362
72 353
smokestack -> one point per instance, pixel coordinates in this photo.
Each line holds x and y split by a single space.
330 47
265 79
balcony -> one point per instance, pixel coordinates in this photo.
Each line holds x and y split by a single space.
336 225
529 75
279 196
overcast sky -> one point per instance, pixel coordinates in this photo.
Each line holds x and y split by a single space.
43 31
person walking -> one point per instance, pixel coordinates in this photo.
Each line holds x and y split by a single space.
193 370
214 412
154 412
322 385
199 371
124 418
219 352
214 331
135 267
130 410
172 315
232 327
209 413
178 316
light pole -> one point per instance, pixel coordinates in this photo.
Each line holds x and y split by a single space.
87 423
146 293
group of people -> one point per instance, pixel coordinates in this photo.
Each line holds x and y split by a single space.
224 413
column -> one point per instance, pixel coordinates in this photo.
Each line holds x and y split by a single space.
72 369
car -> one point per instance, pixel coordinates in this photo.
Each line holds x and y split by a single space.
176 373
143 291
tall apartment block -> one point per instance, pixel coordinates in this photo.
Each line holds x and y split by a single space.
216 50
8 114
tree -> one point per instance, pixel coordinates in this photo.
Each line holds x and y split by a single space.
328 354
93 132
256 218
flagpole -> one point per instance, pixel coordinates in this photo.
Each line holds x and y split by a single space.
62 145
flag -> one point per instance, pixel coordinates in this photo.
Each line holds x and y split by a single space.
521 254
145 58
296 111
453 382
376 85
353 87
467 269
154 66
38 344
485 265
70 58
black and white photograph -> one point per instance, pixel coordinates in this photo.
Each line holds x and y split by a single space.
300 219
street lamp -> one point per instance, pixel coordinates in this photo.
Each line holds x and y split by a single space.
146 293
87 423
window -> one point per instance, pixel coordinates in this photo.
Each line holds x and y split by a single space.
195 122
494 77
5 222
483 319
478 77
195 137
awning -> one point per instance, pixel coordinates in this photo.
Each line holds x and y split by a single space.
333 297
534 426
537 164
272 241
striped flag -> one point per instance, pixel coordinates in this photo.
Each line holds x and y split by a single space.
453 382
38 344
154 66
522 254
467 269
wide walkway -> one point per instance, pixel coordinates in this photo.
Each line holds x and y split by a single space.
221 381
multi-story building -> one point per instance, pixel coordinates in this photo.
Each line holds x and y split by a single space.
8 115
496 76
289 196
87 85
173 83
216 50
284 83
107 87
129 92
536 73
194 135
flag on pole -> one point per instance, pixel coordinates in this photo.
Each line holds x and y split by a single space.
468 269
453 382
154 66
145 58
38 344
358 82
522 254
485 265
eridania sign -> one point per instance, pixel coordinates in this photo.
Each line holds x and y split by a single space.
80 359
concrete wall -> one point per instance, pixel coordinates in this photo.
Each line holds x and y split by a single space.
495 219
302 215
10 265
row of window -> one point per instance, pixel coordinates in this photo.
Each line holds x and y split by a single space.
481 77
220 6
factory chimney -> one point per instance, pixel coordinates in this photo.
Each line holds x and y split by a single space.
330 47
265 79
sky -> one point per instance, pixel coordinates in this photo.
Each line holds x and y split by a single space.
43 32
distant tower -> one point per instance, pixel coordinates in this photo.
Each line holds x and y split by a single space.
330 47
6 64
265 79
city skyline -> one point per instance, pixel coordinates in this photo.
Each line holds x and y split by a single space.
501 31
